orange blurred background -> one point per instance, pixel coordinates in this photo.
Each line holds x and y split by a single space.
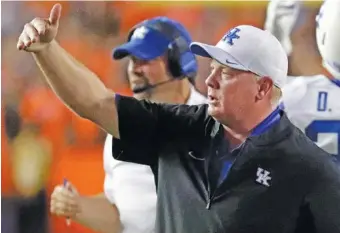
35 122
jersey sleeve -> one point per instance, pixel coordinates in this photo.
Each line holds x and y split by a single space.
144 127
324 199
292 93
108 167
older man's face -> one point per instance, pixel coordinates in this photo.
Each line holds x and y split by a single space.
231 92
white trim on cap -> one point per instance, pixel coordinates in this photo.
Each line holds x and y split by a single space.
217 54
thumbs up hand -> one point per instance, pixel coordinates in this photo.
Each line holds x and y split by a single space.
37 34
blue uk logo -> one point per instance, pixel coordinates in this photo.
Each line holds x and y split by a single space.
231 36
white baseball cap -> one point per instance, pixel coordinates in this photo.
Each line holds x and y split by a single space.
250 49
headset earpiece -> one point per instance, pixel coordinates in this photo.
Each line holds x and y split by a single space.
174 61
176 48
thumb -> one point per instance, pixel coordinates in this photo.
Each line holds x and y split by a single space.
55 14
70 187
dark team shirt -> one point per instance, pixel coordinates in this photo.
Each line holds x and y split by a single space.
277 180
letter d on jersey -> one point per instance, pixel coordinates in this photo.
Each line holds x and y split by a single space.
263 177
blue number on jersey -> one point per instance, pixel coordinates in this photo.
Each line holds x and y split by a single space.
322 101
324 126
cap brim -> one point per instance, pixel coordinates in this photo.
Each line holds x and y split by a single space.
140 49
216 53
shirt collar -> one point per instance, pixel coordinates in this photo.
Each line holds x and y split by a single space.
267 122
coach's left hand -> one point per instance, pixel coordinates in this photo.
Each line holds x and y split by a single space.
65 201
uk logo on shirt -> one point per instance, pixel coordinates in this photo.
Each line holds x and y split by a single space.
263 177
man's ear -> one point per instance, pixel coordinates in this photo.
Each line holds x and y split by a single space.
265 85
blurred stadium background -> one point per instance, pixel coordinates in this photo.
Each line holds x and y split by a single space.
42 141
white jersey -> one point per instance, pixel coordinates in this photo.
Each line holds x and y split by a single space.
131 187
313 105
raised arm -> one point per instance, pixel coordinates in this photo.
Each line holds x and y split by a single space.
137 123
78 87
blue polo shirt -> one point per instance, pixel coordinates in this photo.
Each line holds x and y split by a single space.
269 121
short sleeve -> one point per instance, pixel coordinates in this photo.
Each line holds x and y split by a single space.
144 127
292 93
108 167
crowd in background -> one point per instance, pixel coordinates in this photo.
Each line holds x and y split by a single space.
42 140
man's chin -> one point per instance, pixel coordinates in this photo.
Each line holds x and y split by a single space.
141 96
145 95
212 110
215 113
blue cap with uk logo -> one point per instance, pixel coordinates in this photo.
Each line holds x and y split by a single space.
147 43
152 38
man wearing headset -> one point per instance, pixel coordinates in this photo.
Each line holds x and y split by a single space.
161 68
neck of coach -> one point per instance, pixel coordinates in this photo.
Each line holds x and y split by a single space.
237 130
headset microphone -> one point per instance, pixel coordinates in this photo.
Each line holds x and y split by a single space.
150 87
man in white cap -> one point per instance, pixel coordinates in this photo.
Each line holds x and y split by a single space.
236 164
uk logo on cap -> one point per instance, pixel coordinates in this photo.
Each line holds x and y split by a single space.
231 36
140 33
